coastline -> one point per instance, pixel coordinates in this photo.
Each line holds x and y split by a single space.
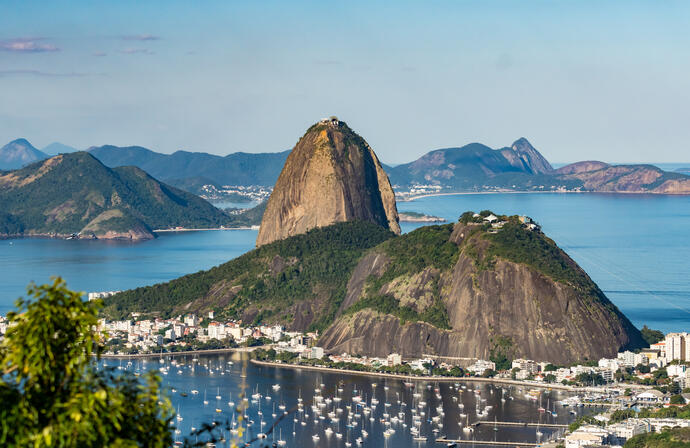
66 236
214 351
446 379
199 230
460 193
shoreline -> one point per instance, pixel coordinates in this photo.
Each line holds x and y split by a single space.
199 230
215 351
460 193
463 193
446 379
66 237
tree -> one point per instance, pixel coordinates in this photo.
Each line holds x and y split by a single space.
677 399
501 352
53 395
588 379
550 378
651 336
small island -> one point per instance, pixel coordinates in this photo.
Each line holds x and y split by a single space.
418 217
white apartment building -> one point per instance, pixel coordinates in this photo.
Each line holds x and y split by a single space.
610 364
394 359
677 346
481 366
627 429
527 365
588 435
216 330
676 370
630 359
191 320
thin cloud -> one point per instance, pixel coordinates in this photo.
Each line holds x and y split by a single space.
145 51
99 54
140 37
40 73
27 45
327 62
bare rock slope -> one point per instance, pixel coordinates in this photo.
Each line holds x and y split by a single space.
515 292
332 175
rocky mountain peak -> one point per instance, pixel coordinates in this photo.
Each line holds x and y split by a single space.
523 155
332 175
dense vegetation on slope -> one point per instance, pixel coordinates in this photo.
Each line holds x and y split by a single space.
272 278
71 193
248 217
669 438
423 248
516 243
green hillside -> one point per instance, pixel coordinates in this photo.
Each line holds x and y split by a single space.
73 193
268 283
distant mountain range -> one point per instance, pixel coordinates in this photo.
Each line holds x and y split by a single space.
191 170
19 153
56 148
473 167
76 194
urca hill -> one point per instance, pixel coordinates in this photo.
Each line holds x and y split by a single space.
332 175
76 194
467 289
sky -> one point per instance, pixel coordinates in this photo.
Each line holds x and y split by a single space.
580 79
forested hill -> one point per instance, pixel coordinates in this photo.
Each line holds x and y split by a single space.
75 193
465 290
299 281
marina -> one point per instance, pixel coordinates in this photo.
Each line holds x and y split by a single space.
334 409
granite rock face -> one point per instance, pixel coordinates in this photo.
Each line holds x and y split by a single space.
546 319
332 175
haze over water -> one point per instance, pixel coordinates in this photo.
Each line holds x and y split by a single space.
635 247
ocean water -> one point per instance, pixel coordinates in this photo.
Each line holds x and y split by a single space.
230 375
636 247
91 266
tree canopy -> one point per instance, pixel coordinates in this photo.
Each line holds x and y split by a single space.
53 395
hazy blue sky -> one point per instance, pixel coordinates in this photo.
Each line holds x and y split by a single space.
581 80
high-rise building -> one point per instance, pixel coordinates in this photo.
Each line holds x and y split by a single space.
676 346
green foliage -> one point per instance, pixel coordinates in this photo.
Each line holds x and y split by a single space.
651 336
669 412
677 399
621 414
53 395
385 305
584 420
589 379
669 438
519 245
502 352
249 217
316 264
425 247
77 189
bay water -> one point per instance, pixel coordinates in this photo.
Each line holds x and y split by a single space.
635 247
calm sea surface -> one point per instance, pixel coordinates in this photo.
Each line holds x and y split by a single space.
440 411
636 247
